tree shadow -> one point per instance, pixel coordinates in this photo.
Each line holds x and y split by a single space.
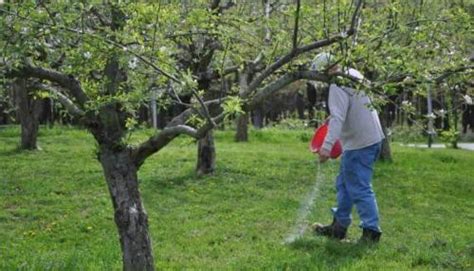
160 182
335 254
15 151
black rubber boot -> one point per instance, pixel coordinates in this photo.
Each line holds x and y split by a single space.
335 230
370 236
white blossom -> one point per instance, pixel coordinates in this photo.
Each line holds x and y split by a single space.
441 113
87 55
468 99
133 63
431 116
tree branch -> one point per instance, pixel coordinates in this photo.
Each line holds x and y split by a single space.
66 81
284 81
448 73
300 50
214 4
295 30
157 142
286 59
355 17
185 115
104 39
216 74
63 99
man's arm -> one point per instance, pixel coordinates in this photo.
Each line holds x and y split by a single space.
338 103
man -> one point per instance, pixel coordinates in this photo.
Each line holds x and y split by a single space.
357 125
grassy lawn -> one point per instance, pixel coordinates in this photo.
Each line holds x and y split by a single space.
55 211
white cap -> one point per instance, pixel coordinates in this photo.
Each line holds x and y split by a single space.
355 73
321 61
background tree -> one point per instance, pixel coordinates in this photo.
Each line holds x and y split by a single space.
102 86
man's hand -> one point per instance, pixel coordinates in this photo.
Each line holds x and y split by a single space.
323 156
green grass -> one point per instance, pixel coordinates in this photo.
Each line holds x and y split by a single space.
55 211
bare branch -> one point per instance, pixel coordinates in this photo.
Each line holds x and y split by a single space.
189 33
157 142
355 17
300 50
204 108
286 80
215 74
295 30
451 72
102 19
214 4
63 99
66 81
258 60
217 8
185 115
286 59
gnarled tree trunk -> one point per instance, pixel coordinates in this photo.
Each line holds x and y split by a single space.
130 216
241 134
206 162
28 111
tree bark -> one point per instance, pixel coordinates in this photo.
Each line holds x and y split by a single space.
300 105
130 216
386 152
28 111
257 116
206 162
241 134
206 151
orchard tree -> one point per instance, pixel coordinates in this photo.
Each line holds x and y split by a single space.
214 43
110 55
102 83
274 44
197 38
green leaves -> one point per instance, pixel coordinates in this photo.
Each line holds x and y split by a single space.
400 37
232 106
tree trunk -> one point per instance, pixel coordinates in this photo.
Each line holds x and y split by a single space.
241 134
29 134
386 152
130 216
300 105
242 128
206 163
257 116
28 111
454 107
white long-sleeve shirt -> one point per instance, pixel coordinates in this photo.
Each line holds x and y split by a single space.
352 120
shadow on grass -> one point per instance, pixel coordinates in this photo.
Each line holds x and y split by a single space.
160 182
16 150
335 254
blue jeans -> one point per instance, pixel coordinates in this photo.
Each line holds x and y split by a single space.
354 186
